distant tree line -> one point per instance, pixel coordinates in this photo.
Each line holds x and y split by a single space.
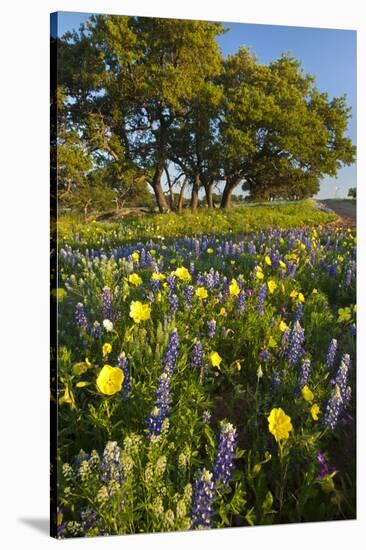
149 103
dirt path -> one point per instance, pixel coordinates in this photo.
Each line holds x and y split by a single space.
346 210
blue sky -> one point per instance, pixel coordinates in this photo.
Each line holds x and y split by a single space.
327 54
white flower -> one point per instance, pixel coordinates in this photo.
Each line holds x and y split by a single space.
108 325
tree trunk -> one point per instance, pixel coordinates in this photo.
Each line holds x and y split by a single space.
208 190
228 191
181 195
170 185
195 189
158 190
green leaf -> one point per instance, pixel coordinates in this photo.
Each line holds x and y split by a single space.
250 516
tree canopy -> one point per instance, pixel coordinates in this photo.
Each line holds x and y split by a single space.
148 101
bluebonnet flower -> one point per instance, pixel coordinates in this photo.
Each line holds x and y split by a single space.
224 286
226 451
210 280
298 312
202 499
188 292
349 274
122 363
111 464
107 303
341 394
149 259
264 355
142 259
275 258
171 353
291 270
97 330
333 409
276 380
296 340
211 328
241 301
304 374
80 317
196 355
173 302
206 417
252 249
332 350
333 269
325 469
191 268
163 393
89 519
262 295
155 284
340 379
285 342
171 282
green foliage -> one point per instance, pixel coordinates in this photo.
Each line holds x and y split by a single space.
116 476
140 96
216 222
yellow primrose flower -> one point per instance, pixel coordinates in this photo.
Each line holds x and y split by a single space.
164 247
158 277
67 398
272 342
259 274
182 273
301 297
268 260
140 312
153 252
315 411
282 264
215 359
107 348
315 291
223 311
272 285
344 314
110 380
234 289
294 294
209 251
135 279
279 424
237 365
135 256
283 326
201 293
307 393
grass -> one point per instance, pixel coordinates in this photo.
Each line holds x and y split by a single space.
219 222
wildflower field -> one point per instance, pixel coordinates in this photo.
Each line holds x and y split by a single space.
206 377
